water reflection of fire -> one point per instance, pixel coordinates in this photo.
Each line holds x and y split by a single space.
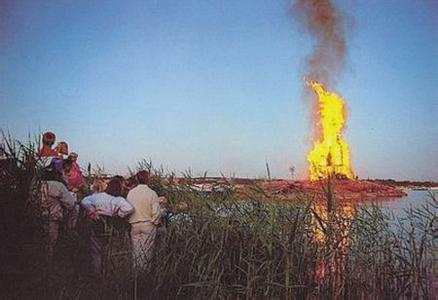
340 218
331 231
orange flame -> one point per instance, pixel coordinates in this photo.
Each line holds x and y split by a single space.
331 154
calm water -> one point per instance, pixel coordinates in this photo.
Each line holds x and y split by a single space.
398 209
399 206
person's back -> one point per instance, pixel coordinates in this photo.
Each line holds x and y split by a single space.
146 205
144 221
55 202
107 205
104 205
54 195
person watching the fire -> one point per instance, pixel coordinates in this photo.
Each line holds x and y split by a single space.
48 141
49 155
73 173
144 221
57 207
104 208
62 149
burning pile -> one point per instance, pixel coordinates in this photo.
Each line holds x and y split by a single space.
326 24
331 154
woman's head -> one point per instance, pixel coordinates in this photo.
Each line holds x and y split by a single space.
49 138
62 148
98 186
114 187
73 156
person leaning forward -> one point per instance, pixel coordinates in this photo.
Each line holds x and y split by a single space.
144 221
105 205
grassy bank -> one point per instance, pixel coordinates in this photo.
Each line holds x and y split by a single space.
229 244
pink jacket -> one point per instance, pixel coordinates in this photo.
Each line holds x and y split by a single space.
74 177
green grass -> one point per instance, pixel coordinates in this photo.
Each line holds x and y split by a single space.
233 244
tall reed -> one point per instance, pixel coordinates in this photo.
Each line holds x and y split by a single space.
232 243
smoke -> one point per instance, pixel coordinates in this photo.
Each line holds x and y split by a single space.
326 24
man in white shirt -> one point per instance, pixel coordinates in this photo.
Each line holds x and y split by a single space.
102 205
105 204
144 221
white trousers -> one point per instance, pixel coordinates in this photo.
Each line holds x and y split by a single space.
143 236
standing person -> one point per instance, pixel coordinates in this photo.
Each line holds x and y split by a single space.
98 186
48 141
49 155
103 207
62 149
73 178
144 221
73 173
57 206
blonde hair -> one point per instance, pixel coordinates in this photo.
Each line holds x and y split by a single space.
98 186
62 148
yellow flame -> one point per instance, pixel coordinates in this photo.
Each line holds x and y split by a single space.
331 154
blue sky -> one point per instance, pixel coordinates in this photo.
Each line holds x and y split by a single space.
217 86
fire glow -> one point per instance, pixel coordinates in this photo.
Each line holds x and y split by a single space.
330 154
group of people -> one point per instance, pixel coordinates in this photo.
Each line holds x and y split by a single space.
64 207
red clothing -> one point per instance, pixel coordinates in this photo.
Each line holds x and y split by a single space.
56 161
74 177
46 151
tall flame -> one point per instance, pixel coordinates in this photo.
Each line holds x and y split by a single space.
331 154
